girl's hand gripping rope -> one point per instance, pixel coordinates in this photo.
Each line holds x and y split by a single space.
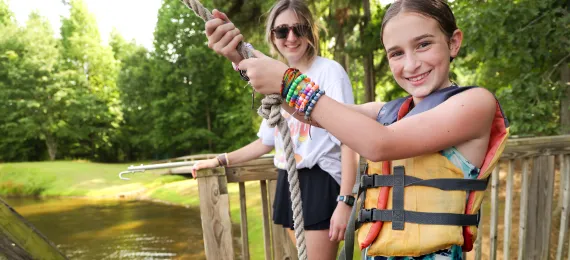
223 36
264 73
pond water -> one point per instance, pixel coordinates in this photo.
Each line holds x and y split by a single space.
103 229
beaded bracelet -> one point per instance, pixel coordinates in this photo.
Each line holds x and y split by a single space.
300 92
288 77
294 87
312 103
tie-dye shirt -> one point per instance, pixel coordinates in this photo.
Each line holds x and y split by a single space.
313 145
454 252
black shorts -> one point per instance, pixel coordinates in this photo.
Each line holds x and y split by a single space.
318 194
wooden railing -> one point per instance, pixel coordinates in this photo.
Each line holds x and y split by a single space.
537 167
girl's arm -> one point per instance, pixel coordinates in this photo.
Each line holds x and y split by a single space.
247 153
341 215
464 117
369 110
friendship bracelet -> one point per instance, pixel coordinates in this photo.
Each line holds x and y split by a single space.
288 77
300 92
287 80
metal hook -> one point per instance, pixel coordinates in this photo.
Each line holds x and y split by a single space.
130 172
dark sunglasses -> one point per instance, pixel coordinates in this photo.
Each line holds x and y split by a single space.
300 30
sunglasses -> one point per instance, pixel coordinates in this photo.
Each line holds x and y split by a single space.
300 30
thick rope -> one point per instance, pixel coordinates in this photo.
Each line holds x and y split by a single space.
270 109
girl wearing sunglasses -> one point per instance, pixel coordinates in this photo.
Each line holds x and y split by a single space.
326 182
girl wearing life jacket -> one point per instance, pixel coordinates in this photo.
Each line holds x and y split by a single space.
434 150
293 35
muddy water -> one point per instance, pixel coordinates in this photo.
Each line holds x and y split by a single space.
96 229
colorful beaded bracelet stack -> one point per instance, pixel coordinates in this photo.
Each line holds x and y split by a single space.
300 92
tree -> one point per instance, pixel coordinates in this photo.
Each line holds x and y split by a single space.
6 16
518 51
134 82
83 52
197 100
36 101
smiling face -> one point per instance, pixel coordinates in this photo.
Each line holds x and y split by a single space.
292 47
419 53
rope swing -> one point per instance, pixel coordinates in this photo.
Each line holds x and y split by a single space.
270 109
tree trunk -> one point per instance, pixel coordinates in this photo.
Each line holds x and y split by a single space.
565 100
339 47
51 144
209 123
368 58
341 16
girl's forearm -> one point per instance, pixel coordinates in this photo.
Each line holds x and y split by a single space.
349 159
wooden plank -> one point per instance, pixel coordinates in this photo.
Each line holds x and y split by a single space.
529 216
567 192
564 217
243 224
283 247
523 217
562 182
508 211
534 235
263 168
19 239
266 218
479 240
535 146
494 212
259 169
547 190
215 215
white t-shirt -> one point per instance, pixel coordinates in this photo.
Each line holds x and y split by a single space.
321 148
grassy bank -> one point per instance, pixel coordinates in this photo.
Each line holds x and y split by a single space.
96 180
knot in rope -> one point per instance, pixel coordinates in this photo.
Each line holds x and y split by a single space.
270 109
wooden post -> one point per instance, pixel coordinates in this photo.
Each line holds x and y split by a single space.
508 210
479 239
565 198
567 191
283 247
243 219
540 208
547 190
494 211
266 218
21 240
561 185
523 217
533 237
215 214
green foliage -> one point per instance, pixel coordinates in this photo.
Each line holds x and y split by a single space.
6 16
98 96
192 89
515 49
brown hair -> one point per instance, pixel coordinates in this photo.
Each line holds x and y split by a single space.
436 9
300 8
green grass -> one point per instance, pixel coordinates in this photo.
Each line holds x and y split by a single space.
66 178
98 180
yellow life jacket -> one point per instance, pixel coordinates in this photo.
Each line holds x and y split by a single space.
423 204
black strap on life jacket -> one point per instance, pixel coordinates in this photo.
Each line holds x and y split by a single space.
398 216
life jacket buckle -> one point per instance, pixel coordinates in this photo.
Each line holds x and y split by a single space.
367 181
365 215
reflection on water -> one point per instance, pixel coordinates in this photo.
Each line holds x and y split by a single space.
95 229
